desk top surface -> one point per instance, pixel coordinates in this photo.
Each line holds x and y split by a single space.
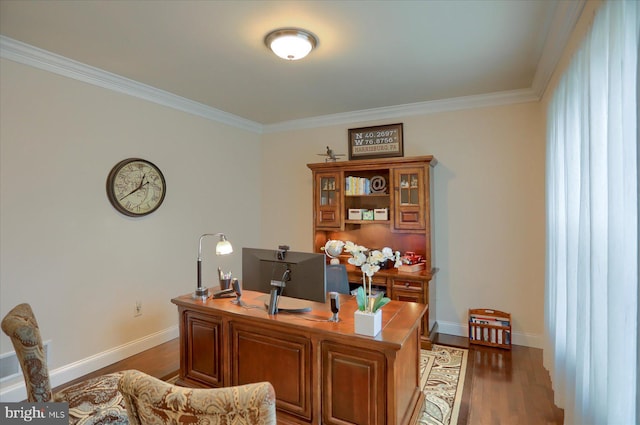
399 318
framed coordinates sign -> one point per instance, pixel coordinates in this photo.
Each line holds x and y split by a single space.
382 141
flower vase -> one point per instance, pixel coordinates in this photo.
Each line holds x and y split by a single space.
367 323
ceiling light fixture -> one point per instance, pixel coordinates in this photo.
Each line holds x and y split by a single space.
291 43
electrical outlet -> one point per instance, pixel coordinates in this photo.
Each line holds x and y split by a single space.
138 309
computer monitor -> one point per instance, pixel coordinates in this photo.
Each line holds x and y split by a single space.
290 278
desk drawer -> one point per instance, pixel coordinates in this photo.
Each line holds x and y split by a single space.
408 290
408 285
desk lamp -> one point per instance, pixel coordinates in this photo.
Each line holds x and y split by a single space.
222 248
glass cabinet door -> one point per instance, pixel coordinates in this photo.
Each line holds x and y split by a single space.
409 189
409 198
328 200
328 194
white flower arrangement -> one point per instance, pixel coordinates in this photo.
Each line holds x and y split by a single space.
369 262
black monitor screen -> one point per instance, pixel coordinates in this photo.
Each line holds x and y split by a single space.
303 273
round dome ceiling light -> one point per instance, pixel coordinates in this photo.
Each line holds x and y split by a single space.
291 43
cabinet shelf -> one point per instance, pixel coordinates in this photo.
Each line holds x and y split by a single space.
371 195
367 222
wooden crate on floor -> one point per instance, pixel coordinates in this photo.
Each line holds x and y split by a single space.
490 327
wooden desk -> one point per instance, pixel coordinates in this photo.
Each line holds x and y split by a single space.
322 371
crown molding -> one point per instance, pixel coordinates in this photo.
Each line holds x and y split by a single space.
565 18
38 58
411 109
562 25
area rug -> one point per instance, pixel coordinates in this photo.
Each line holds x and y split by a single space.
442 372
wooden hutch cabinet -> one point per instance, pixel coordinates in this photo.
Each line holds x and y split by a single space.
396 195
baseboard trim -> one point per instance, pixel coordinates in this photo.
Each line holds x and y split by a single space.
64 374
517 338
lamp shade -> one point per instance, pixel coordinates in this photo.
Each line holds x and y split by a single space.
224 246
291 43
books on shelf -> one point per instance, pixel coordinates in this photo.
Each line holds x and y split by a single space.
493 321
357 186
491 335
411 268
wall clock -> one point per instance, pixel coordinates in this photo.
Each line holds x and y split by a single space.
135 187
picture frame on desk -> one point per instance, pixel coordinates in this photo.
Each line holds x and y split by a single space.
381 141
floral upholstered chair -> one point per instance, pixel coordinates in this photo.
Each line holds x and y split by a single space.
151 401
94 401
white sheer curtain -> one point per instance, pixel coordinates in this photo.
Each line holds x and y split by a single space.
591 306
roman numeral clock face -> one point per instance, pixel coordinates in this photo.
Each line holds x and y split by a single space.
135 187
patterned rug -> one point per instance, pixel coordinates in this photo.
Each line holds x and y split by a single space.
442 372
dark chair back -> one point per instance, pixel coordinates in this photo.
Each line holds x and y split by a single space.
337 279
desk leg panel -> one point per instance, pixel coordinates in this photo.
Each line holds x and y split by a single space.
203 354
407 393
353 385
284 359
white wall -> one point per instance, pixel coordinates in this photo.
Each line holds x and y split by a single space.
488 198
64 248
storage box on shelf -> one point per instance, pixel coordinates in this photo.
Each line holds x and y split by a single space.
355 214
490 327
381 214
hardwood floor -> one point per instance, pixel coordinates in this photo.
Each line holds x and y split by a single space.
505 386
501 386
162 361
